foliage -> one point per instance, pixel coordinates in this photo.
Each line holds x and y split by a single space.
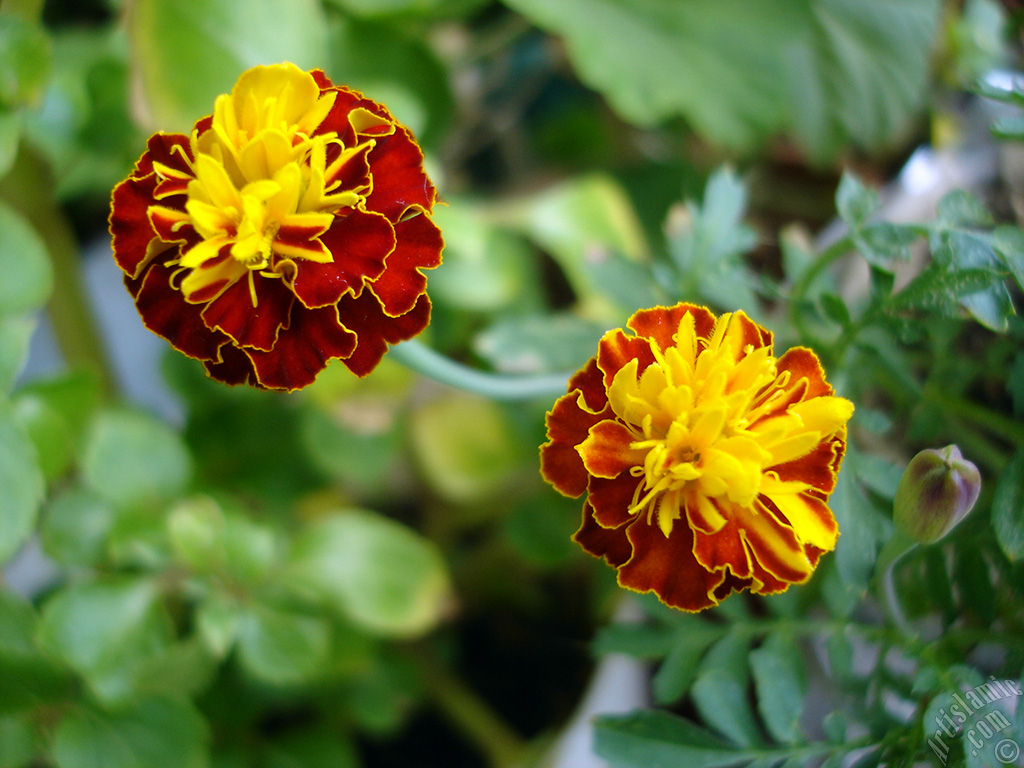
371 572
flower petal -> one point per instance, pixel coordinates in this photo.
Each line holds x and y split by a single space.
359 242
773 544
234 367
365 317
418 245
130 226
606 451
667 567
661 323
257 327
616 349
610 543
567 427
302 350
809 517
611 499
802 363
398 178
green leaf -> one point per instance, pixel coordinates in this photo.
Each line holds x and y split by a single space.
539 343
283 647
49 432
739 71
677 671
15 336
17 742
855 202
377 8
21 481
28 678
24 263
10 136
105 630
218 619
720 690
961 208
939 289
187 52
640 640
379 573
861 528
883 243
780 681
657 739
134 460
25 59
539 529
1009 244
151 733
992 306
1008 508
75 525
465 447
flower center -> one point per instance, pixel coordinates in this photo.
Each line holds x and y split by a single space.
690 411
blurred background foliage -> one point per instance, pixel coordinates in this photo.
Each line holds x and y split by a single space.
372 573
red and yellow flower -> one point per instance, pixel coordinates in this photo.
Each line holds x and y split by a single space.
707 463
290 228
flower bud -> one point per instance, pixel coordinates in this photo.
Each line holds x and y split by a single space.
937 490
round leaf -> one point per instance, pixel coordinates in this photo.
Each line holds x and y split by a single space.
24 61
132 459
283 647
382 575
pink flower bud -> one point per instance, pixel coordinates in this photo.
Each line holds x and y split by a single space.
937 490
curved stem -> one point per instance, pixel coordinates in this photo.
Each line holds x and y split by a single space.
895 550
426 361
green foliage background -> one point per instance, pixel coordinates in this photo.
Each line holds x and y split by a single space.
372 573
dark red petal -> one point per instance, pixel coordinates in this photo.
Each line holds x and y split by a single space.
568 426
233 313
399 180
303 349
611 499
731 584
130 227
354 174
667 567
337 119
723 548
589 381
609 543
359 242
616 349
375 330
607 451
170 149
234 368
751 334
817 469
418 245
661 323
165 312
802 363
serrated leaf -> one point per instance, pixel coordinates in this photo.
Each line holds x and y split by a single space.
21 481
940 290
780 681
1008 508
720 690
962 208
678 670
854 202
657 739
187 52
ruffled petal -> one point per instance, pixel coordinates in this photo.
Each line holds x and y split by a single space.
667 567
802 363
568 426
773 544
314 337
659 324
130 227
616 349
375 330
398 178
234 368
606 451
611 499
251 326
163 312
610 543
359 242
418 246
809 517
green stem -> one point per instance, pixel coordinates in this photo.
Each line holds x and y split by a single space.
29 188
803 284
467 711
426 361
892 553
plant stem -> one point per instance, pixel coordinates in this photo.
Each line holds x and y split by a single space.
826 258
427 362
895 549
466 710
29 189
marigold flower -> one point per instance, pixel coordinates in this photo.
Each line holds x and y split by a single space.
290 228
706 461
